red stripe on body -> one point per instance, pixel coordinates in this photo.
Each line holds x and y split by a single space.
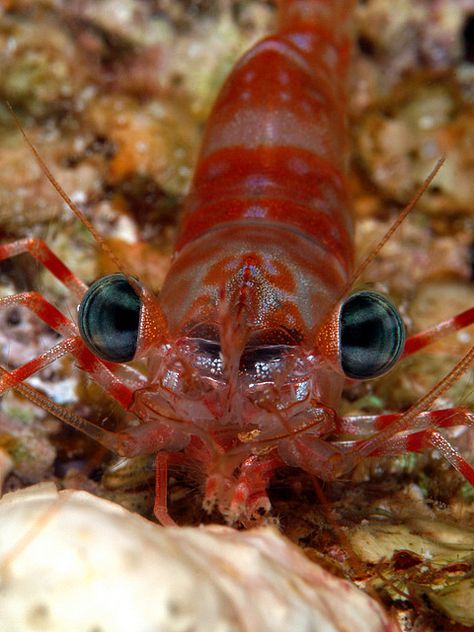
272 168
270 101
331 237
271 184
277 136
277 131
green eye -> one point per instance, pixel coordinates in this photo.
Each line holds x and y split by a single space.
371 335
109 318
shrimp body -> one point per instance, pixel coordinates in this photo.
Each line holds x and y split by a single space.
265 247
252 336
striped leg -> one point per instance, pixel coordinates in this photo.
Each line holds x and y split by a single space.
122 443
130 442
425 436
127 443
369 424
40 251
418 341
86 360
43 309
396 426
117 442
418 442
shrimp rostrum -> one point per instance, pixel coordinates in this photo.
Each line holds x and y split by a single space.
255 330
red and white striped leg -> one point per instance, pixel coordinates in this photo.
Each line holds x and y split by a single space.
86 360
358 425
400 425
121 443
426 436
418 341
40 251
43 309
130 442
126 443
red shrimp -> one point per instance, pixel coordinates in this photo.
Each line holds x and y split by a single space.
252 337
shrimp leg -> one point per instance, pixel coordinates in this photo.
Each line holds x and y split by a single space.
74 345
40 251
415 442
418 341
160 508
368 424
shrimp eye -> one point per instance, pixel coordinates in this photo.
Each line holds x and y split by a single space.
371 335
109 317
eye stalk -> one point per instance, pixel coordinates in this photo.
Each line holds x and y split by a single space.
109 318
371 335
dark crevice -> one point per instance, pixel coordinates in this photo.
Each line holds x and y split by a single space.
468 39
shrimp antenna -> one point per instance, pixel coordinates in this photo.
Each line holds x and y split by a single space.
70 203
401 217
364 264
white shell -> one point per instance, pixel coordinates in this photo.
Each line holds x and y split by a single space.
72 561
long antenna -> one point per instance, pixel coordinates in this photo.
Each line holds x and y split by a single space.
401 217
371 256
72 205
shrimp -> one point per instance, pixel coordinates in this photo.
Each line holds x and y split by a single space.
254 332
